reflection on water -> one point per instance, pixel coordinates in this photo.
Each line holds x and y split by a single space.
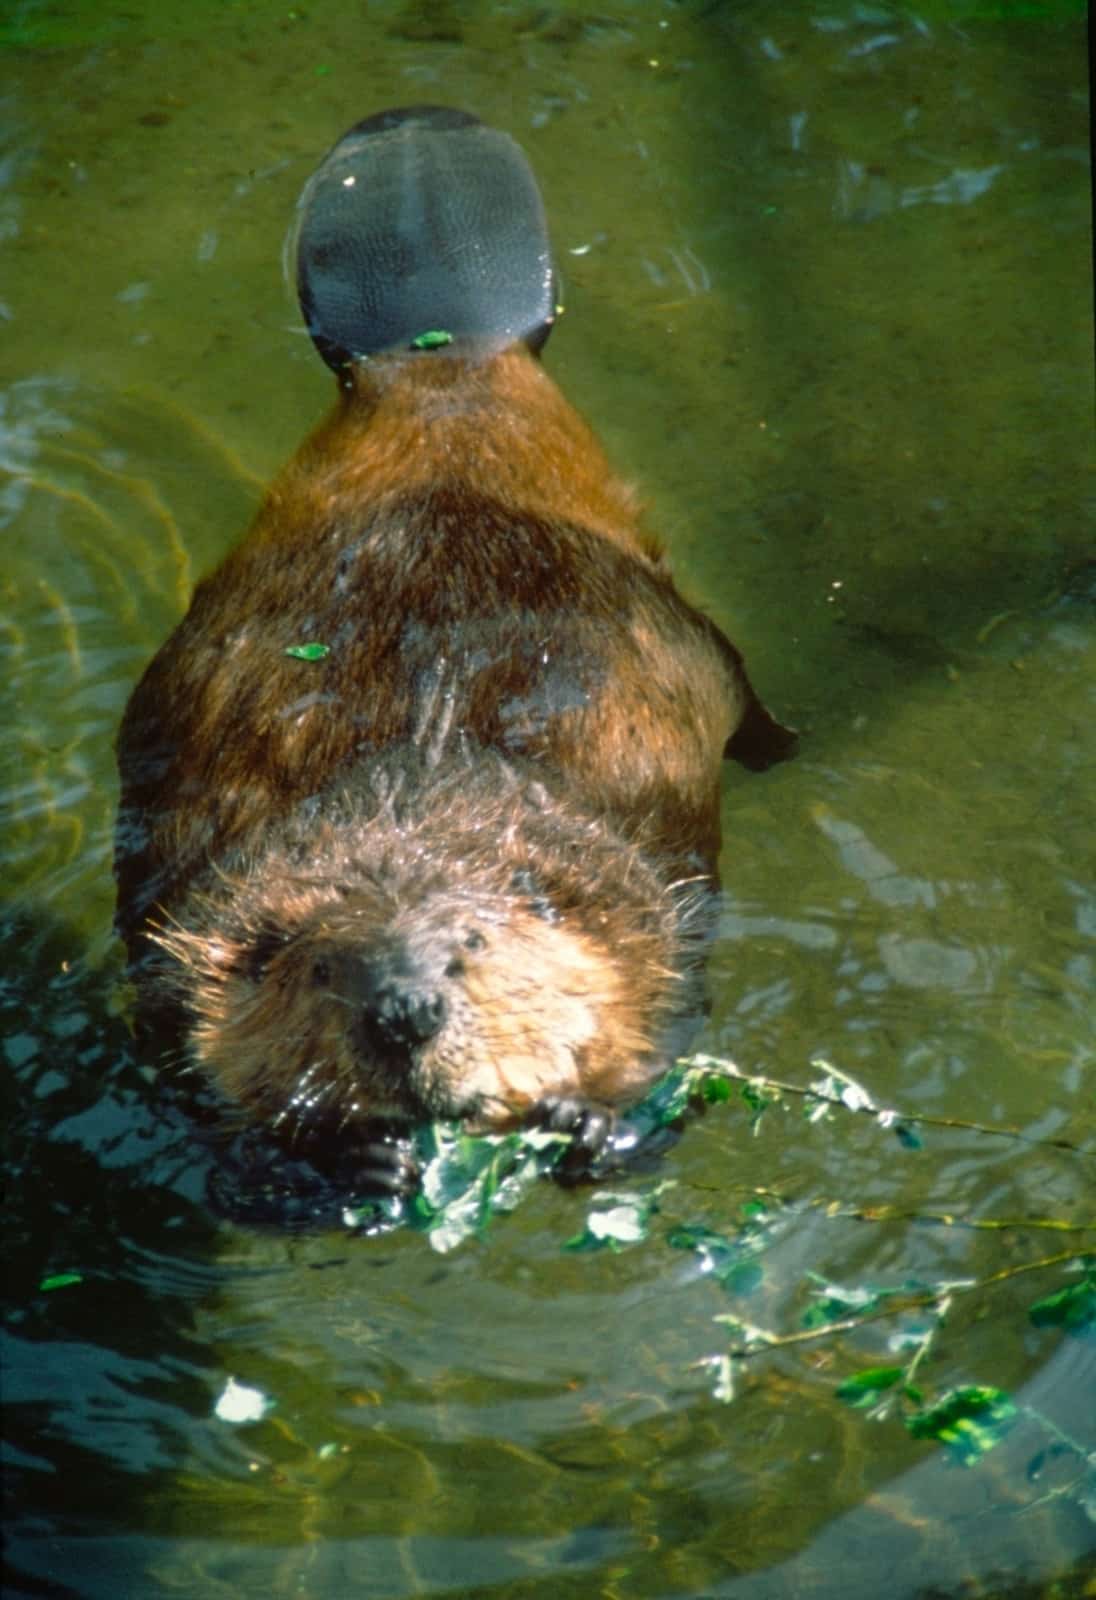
869 448
97 488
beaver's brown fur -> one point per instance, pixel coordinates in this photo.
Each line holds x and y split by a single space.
456 942
456 865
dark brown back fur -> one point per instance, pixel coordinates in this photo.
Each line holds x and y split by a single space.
455 536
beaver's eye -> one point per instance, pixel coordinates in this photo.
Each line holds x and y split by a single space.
321 973
471 939
262 952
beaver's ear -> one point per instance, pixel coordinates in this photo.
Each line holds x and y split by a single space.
759 741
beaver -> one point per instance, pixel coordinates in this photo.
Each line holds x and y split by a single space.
420 801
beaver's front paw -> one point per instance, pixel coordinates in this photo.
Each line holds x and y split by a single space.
590 1126
384 1166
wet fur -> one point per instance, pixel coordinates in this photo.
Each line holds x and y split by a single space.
530 945
516 735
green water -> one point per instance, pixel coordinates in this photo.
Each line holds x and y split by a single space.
827 278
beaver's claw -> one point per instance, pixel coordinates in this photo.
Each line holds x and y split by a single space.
590 1126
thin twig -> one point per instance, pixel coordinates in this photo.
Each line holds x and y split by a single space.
893 1306
864 1105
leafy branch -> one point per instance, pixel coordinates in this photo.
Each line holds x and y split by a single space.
468 1179
838 1090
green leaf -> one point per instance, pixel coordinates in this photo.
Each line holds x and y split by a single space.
863 1387
969 1421
432 340
834 1304
694 1235
619 1224
669 1099
716 1088
730 1261
465 1178
1073 1307
757 1098
743 1278
308 652
617 1218
60 1280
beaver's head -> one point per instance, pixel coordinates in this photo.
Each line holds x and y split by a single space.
461 953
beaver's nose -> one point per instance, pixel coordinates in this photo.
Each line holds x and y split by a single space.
397 1004
405 1013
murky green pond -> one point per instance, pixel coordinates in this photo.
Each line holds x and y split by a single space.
827 274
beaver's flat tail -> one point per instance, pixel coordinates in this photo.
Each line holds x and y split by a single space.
423 227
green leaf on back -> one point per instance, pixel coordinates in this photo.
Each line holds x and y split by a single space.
1073 1307
968 1421
60 1280
308 652
433 339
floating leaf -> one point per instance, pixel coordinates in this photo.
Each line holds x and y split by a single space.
308 652
239 1402
623 1224
834 1304
968 1420
432 340
1073 1307
617 1218
723 1383
864 1387
707 1243
723 1388
730 1261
